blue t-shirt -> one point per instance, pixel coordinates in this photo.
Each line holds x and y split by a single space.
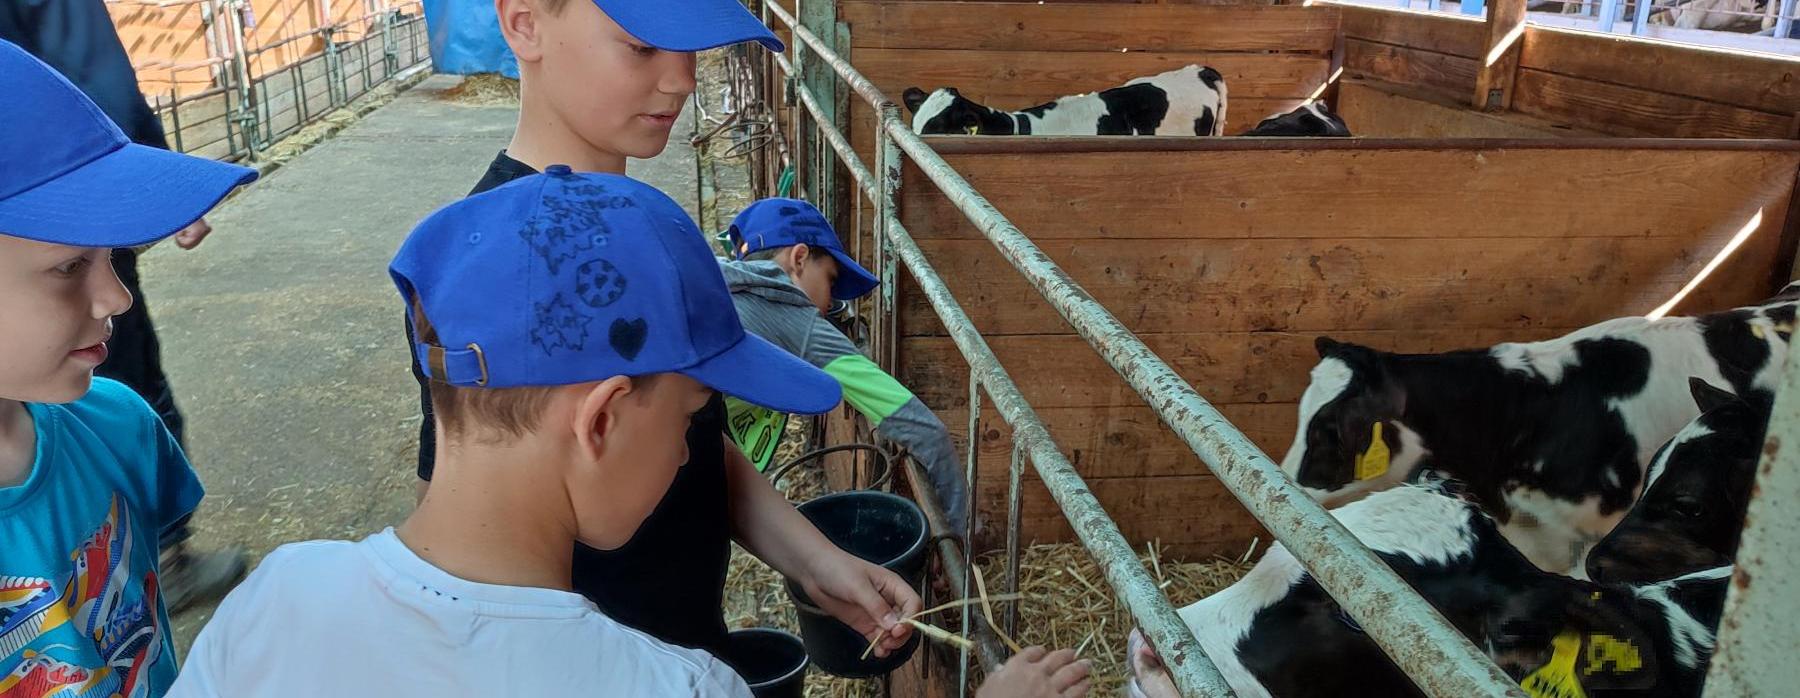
81 613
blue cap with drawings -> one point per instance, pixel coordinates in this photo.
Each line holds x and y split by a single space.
564 278
772 223
68 175
689 25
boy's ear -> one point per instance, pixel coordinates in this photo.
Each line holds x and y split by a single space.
519 25
596 415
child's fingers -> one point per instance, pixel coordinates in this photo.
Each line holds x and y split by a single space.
1076 691
1070 675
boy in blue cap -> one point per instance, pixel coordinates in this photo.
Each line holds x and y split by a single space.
571 325
790 267
89 476
602 81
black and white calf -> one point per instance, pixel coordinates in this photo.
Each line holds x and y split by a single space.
1691 514
1186 101
1276 633
1552 437
1312 119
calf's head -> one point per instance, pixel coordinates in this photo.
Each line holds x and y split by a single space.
1312 119
1351 440
946 111
1691 514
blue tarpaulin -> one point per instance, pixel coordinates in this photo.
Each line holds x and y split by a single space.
465 38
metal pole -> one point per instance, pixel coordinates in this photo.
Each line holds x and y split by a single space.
1642 18
1438 658
1015 477
962 685
175 118
888 159
1609 14
246 106
1784 19
987 647
1472 7
1755 650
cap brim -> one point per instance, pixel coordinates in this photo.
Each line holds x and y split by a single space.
760 373
132 196
853 281
689 25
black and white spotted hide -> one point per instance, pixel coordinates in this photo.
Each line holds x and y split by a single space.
1276 634
1552 437
1310 120
1188 101
1691 514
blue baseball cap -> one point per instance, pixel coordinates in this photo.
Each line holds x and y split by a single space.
564 278
69 176
689 25
772 223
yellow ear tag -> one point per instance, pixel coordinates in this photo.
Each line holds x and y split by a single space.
973 130
1603 650
1373 463
1556 679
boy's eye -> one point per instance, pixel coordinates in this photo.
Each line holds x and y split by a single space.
642 50
72 267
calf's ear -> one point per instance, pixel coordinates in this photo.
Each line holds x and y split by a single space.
1709 398
914 98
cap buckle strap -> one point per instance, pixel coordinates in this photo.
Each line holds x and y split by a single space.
481 360
461 366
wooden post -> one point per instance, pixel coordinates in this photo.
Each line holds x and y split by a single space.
1499 67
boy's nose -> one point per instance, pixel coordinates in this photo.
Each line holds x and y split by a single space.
679 79
110 295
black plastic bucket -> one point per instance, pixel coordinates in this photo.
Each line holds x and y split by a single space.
884 529
773 662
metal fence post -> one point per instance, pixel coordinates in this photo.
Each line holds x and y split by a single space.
888 173
1014 482
1609 14
1784 20
1757 636
974 457
1641 18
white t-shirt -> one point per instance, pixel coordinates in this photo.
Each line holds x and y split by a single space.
335 618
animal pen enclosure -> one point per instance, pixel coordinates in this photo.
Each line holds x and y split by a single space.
1490 206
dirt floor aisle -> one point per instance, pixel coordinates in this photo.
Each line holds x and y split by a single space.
283 335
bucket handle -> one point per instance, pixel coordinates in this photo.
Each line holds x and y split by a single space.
881 456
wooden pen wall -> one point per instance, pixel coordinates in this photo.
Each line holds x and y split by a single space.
1228 258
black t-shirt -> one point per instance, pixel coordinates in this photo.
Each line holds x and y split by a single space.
669 580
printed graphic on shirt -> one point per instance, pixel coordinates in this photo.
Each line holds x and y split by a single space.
94 633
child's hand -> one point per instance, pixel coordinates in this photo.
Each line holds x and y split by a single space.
1035 673
191 236
867 597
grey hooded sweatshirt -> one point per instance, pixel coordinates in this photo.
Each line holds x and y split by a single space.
772 307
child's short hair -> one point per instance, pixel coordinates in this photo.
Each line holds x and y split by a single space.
769 255
511 413
554 7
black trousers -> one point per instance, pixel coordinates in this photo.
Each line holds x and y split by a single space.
134 358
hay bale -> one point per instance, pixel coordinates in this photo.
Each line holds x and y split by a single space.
1067 602
484 90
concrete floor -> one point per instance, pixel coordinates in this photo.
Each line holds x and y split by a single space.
283 335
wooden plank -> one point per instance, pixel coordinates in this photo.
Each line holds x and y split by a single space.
1457 35
1018 79
1498 69
1191 517
1385 110
1284 285
1626 111
1000 26
1441 72
1371 193
1122 440
1754 81
1063 371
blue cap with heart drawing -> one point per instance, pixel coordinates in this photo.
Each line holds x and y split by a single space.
564 278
